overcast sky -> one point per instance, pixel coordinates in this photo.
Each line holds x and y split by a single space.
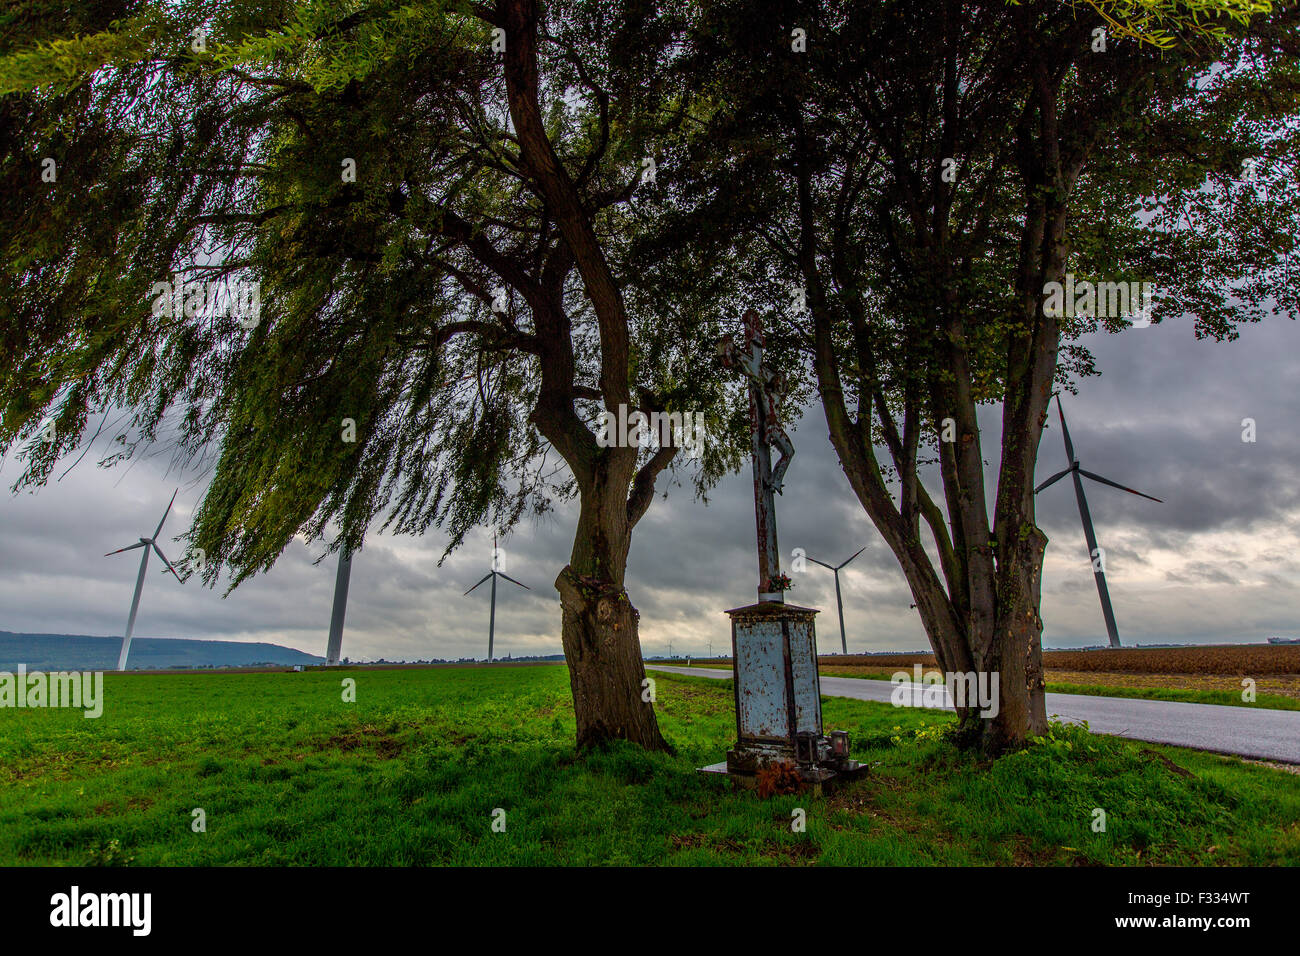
1216 562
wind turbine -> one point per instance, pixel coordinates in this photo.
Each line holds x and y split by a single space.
844 641
1094 553
494 574
145 543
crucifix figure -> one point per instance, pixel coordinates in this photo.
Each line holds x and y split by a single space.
766 389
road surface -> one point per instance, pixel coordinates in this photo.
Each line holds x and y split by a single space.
1243 731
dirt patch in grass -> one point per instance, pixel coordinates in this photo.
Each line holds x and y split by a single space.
859 802
369 738
798 852
1023 853
850 800
136 804
702 841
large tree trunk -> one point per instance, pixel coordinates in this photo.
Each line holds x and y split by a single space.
1013 651
606 672
1016 653
601 642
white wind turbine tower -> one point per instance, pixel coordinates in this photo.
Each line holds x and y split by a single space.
145 543
839 601
334 647
494 574
1094 553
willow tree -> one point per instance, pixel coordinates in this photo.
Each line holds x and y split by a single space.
435 203
921 173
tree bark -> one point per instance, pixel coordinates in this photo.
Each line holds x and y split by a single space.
600 628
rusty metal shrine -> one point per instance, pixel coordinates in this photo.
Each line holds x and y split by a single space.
774 644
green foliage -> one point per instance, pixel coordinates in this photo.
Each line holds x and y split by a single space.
1062 738
378 36
1160 196
1163 23
60 63
923 172
224 164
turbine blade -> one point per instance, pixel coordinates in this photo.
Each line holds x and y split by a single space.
1065 430
166 562
829 567
860 550
129 547
166 513
1056 477
1107 481
481 580
513 581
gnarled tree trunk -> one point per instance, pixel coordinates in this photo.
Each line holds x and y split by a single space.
601 643
606 672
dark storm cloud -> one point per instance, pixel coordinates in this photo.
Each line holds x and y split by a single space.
1166 418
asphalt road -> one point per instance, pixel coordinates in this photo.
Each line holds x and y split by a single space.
1243 731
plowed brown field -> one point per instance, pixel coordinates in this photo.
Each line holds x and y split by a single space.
1246 660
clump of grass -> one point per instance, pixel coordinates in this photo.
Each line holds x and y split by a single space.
107 854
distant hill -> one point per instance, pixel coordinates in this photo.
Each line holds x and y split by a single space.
79 652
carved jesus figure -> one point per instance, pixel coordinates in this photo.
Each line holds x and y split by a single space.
767 390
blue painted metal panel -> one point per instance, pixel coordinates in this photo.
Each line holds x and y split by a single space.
760 676
803 664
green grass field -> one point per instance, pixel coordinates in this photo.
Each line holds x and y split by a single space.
287 773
